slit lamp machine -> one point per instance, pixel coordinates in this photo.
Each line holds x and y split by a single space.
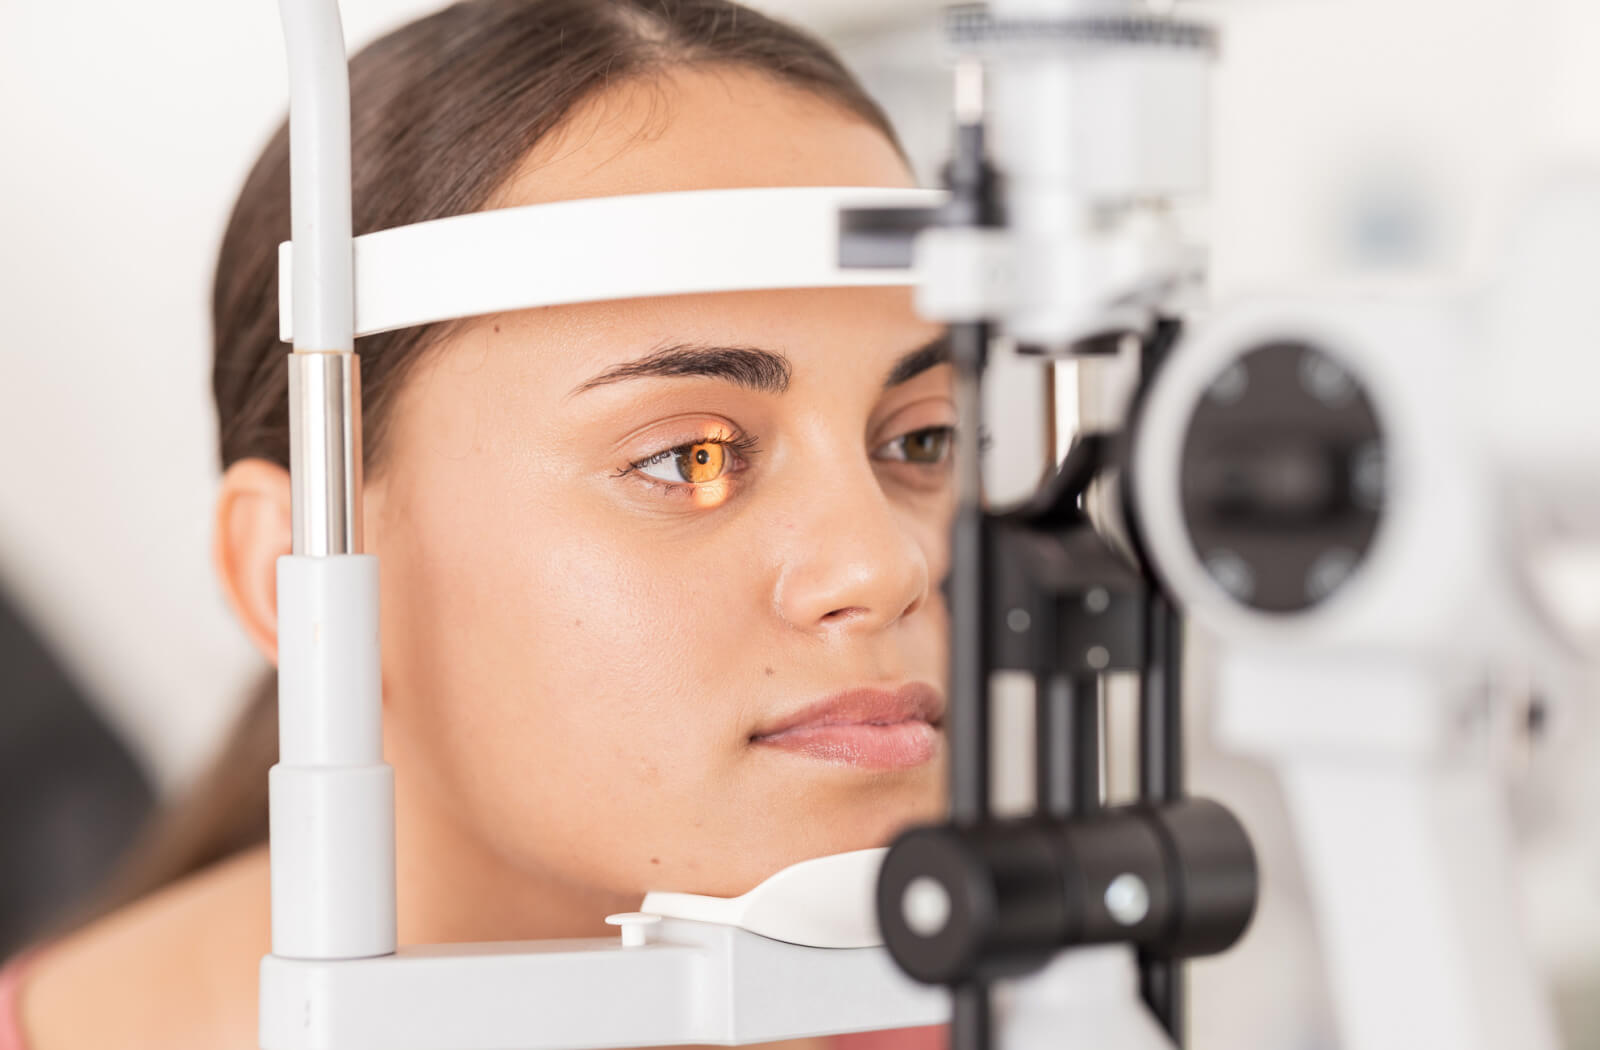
1307 478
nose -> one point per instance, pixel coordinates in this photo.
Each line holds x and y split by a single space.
857 561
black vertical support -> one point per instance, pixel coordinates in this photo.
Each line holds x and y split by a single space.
967 717
971 1018
1161 702
1087 741
1067 740
974 201
1161 981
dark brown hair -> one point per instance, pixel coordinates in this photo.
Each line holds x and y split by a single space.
442 111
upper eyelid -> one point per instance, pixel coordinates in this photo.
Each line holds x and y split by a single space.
929 409
723 433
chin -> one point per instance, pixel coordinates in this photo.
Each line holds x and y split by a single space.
871 822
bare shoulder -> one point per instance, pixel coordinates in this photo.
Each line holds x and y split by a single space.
176 970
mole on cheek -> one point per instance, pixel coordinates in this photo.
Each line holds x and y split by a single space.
770 672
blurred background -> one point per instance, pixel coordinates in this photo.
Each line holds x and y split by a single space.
1350 135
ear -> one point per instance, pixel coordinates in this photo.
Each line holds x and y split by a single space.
252 530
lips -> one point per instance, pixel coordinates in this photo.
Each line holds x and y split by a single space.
866 728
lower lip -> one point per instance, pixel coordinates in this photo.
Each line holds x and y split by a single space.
902 745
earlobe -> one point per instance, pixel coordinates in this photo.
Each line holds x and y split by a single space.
251 531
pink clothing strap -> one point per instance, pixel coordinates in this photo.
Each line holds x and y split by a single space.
10 1007
930 1038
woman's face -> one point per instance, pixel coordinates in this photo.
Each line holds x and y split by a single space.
661 577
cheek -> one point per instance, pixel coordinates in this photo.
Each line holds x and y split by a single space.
567 674
616 639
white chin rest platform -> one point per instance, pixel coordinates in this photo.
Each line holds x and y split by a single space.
689 983
606 248
694 970
826 902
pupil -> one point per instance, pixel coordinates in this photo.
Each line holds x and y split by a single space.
701 463
924 446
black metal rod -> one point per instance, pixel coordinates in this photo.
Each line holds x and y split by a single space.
1161 985
971 1018
1161 768
973 202
1067 733
967 716
1161 703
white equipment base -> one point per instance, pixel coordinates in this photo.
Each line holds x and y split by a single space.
691 983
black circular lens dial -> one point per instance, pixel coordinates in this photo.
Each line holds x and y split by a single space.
1283 477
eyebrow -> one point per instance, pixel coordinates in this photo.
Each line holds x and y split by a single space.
764 371
918 361
748 366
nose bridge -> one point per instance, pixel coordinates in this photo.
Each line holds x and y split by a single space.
854 561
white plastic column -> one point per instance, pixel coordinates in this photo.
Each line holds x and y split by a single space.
332 795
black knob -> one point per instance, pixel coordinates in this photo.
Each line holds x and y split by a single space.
958 904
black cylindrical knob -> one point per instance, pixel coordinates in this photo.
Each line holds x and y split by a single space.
1117 878
960 903
1216 869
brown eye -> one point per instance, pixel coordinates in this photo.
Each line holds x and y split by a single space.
926 447
697 464
701 463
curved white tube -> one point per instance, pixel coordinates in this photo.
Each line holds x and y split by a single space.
319 161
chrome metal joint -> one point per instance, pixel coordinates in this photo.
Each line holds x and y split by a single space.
325 452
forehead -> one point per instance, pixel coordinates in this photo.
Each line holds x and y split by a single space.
703 127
